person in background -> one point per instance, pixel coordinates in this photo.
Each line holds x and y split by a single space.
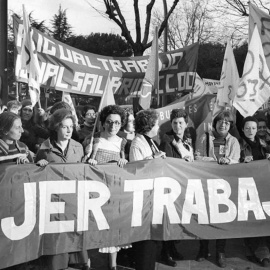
109 147
254 148
143 147
262 132
127 131
219 146
11 149
176 144
89 116
61 148
14 106
33 133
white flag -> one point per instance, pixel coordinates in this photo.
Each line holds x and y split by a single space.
254 87
30 60
67 98
200 88
229 81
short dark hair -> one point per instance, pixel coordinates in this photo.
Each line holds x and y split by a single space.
249 119
60 105
6 122
112 109
56 119
224 115
145 120
178 113
262 120
87 108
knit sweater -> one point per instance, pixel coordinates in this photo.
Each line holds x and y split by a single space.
10 154
140 149
232 148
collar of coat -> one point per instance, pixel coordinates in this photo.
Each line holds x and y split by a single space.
47 145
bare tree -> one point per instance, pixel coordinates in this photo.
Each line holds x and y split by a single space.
114 12
191 22
234 14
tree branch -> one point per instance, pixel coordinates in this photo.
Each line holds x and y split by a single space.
137 21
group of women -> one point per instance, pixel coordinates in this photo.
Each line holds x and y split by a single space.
124 139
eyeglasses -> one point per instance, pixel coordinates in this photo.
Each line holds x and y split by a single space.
262 127
110 123
226 123
90 114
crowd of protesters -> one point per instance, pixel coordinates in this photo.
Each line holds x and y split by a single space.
28 134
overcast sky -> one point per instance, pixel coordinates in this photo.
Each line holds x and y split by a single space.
81 16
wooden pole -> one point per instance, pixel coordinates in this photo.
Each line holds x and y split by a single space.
3 51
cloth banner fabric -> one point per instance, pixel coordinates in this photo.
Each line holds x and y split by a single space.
70 207
212 85
199 110
254 86
84 73
262 20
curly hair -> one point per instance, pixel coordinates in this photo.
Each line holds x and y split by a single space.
86 108
145 120
224 115
249 119
178 113
56 119
7 120
112 109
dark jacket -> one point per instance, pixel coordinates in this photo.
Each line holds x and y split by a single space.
245 149
167 146
52 154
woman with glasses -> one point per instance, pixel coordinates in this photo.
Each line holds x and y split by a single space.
221 147
89 116
61 148
254 148
109 147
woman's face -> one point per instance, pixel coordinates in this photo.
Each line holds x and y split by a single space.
27 113
250 130
130 123
112 124
262 128
64 131
15 133
179 125
90 116
223 127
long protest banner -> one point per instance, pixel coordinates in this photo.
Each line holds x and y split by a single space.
80 72
70 207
